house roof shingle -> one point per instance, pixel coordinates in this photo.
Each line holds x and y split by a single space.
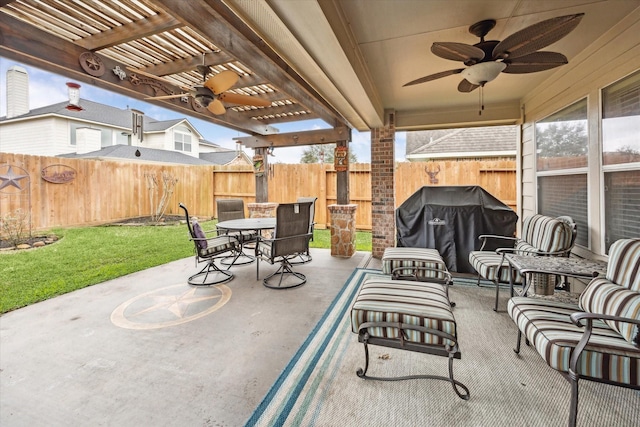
495 139
127 152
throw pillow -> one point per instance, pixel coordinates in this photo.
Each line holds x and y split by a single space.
197 230
605 297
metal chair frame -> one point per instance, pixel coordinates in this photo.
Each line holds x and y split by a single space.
290 239
210 274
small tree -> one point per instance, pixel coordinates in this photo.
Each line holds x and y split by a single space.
168 186
14 226
323 153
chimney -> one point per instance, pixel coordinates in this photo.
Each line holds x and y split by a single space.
17 91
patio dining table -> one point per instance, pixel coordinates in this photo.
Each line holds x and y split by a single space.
246 224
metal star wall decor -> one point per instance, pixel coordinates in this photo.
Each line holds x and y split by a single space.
10 178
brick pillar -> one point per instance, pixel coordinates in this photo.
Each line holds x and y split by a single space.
343 230
383 188
262 210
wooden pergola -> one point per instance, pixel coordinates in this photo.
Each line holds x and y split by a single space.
150 48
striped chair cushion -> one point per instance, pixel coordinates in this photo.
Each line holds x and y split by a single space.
546 233
547 325
264 248
486 264
217 245
623 267
605 297
382 299
413 257
525 248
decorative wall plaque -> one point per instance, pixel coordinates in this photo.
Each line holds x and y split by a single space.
92 64
258 164
58 174
341 159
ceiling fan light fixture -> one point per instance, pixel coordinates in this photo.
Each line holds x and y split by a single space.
484 72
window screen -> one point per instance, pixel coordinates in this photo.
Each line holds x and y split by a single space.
565 195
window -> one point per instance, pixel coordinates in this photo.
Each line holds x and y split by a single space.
562 146
182 139
621 158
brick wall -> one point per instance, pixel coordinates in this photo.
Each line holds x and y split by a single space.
383 230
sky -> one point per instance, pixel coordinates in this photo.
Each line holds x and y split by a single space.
46 88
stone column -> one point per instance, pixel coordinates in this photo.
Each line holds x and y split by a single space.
262 210
383 189
343 230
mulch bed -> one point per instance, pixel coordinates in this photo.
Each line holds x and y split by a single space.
32 242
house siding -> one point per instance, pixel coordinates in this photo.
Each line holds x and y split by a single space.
615 55
46 136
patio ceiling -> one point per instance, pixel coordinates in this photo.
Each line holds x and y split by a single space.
344 62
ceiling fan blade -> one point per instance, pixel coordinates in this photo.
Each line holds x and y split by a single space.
216 107
221 81
536 36
466 86
534 62
458 52
235 98
178 95
433 77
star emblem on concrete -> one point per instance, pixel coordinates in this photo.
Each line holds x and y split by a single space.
170 306
10 178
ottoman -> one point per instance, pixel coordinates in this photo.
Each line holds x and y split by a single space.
413 263
408 315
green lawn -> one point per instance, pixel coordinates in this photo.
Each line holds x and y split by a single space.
90 255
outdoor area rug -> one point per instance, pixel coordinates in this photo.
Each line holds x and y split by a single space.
319 386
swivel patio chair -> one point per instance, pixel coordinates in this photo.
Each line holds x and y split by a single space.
290 239
306 257
229 209
208 246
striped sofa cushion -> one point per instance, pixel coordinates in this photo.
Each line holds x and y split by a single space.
623 267
546 233
547 325
413 257
382 299
486 264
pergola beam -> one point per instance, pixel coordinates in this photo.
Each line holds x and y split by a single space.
25 43
294 139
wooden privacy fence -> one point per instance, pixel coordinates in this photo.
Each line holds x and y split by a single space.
104 191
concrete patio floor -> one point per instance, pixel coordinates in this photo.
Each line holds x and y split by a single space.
148 349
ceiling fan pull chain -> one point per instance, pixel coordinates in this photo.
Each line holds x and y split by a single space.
481 100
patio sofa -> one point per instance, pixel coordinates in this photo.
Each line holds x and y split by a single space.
597 339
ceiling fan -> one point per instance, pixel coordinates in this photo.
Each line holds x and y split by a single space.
517 54
213 91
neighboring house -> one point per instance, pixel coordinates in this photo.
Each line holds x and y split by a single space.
485 143
88 129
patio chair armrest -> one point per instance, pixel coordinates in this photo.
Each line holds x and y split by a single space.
283 239
576 318
485 238
588 319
